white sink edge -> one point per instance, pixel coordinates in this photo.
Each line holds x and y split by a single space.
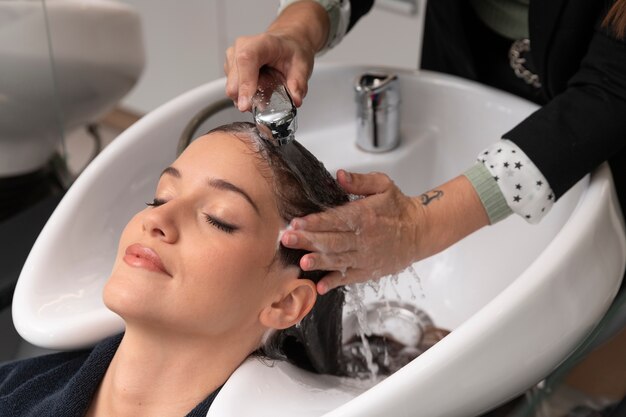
463 373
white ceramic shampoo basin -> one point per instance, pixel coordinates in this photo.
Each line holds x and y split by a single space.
518 298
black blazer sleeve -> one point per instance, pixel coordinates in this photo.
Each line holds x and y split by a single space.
586 123
358 8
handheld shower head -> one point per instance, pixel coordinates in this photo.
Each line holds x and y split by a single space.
273 109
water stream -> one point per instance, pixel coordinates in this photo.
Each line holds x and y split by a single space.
382 335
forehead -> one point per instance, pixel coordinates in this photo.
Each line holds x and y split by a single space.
222 155
222 148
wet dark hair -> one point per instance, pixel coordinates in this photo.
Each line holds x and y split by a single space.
302 186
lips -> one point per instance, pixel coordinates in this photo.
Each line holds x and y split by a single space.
139 256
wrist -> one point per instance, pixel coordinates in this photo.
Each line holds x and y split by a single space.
304 21
420 230
450 213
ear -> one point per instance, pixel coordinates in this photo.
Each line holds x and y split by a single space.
292 304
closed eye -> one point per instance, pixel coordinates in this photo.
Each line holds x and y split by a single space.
156 202
219 224
213 221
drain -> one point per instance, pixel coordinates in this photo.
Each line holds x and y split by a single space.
388 335
403 323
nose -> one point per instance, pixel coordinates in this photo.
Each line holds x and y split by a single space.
160 222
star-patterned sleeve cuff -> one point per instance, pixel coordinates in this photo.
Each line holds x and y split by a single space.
523 186
339 15
489 193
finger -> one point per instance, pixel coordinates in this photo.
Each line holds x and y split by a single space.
248 66
364 184
295 90
329 282
337 279
338 219
328 261
332 242
297 76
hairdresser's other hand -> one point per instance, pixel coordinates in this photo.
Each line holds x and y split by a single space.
384 232
289 45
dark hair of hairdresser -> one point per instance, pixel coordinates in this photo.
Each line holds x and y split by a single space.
302 186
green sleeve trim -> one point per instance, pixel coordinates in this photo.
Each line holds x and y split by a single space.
489 193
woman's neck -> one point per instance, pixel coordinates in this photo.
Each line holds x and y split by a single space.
158 374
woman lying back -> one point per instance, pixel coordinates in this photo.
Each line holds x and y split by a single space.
201 282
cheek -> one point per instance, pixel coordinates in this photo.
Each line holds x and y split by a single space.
221 267
226 292
227 274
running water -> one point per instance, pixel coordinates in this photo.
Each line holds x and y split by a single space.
383 335
354 305
417 279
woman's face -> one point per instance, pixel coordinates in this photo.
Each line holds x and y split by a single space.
199 260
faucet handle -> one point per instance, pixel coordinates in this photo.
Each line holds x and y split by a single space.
376 82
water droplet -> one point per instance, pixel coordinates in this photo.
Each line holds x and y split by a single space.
418 279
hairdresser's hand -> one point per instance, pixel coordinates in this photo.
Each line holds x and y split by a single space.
384 232
362 240
289 45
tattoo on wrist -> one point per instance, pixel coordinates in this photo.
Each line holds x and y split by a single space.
429 196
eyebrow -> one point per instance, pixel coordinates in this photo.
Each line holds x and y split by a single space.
217 184
171 171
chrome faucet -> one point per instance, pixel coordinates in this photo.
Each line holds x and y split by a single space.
378 99
273 109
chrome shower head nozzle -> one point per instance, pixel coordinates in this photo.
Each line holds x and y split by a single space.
273 109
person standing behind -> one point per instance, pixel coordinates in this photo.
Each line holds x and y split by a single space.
567 55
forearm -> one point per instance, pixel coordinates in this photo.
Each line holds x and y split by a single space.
306 22
451 212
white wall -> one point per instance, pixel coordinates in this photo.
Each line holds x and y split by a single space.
182 49
186 41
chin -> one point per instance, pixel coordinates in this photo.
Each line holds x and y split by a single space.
123 298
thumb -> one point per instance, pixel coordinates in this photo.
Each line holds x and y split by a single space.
297 77
363 184
297 91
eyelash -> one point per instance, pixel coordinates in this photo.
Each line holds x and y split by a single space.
156 202
225 227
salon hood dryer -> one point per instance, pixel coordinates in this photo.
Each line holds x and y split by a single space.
518 298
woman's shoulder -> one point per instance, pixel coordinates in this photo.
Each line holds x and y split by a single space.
56 384
52 368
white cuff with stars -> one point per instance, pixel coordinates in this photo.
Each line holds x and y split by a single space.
523 186
338 14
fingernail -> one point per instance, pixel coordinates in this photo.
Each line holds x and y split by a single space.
242 104
298 95
347 176
309 263
298 224
291 239
322 288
